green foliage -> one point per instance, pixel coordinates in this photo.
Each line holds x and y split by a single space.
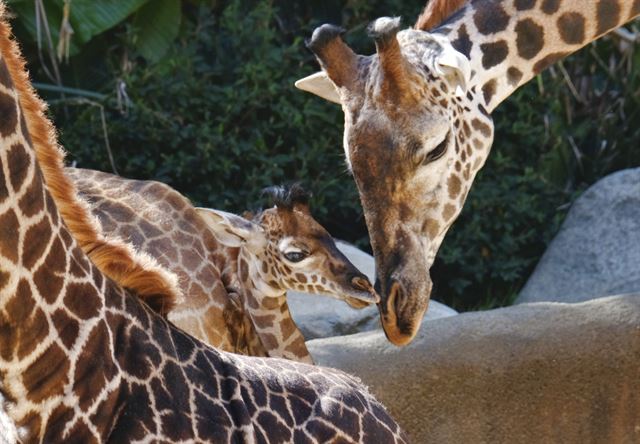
217 118
157 24
157 21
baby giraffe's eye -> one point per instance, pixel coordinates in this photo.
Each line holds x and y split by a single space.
295 256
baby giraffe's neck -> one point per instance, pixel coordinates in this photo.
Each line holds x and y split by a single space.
265 300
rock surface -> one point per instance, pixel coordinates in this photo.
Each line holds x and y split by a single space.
8 432
597 251
322 317
531 373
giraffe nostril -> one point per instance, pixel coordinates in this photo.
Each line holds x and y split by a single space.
361 283
396 296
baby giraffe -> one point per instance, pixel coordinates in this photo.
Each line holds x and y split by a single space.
234 272
282 248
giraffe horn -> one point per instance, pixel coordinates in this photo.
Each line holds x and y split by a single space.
392 64
336 58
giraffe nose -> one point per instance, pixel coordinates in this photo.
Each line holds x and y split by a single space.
361 284
397 296
397 330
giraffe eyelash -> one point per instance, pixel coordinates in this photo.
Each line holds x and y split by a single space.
437 152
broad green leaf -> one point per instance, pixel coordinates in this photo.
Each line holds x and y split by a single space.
25 13
157 25
88 18
91 17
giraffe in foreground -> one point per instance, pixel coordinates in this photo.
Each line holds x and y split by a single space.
84 360
418 121
233 272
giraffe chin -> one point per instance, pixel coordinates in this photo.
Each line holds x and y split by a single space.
361 299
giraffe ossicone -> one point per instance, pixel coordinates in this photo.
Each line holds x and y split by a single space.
234 272
84 360
417 119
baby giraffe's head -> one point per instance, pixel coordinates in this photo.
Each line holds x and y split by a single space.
285 248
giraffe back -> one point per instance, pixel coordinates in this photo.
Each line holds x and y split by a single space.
159 221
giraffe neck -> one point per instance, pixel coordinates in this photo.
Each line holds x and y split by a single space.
266 304
115 259
51 300
510 41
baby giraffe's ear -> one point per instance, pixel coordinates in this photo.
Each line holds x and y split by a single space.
233 230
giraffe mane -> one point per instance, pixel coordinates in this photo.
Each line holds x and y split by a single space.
133 270
287 197
436 12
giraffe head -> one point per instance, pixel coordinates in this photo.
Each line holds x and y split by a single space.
415 135
289 250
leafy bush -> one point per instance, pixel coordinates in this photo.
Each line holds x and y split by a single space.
218 119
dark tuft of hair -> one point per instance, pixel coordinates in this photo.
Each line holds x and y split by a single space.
287 196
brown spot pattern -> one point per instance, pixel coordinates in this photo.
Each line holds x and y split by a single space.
5 77
548 60
523 5
479 125
9 226
488 90
68 328
453 185
47 376
431 227
529 38
9 114
48 278
494 53
19 161
490 17
550 6
448 212
35 241
463 43
82 300
33 200
571 27
94 366
608 15
514 75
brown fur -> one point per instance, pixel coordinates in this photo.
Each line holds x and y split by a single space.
137 272
436 12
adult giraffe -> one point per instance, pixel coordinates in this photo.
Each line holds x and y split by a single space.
418 125
84 360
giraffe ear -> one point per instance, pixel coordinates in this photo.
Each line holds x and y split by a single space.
233 230
321 85
443 60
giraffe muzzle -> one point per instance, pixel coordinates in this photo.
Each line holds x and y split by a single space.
399 327
363 294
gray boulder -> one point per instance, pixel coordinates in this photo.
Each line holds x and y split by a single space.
532 373
321 317
8 431
597 251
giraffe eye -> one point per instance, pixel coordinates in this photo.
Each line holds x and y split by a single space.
295 256
437 152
